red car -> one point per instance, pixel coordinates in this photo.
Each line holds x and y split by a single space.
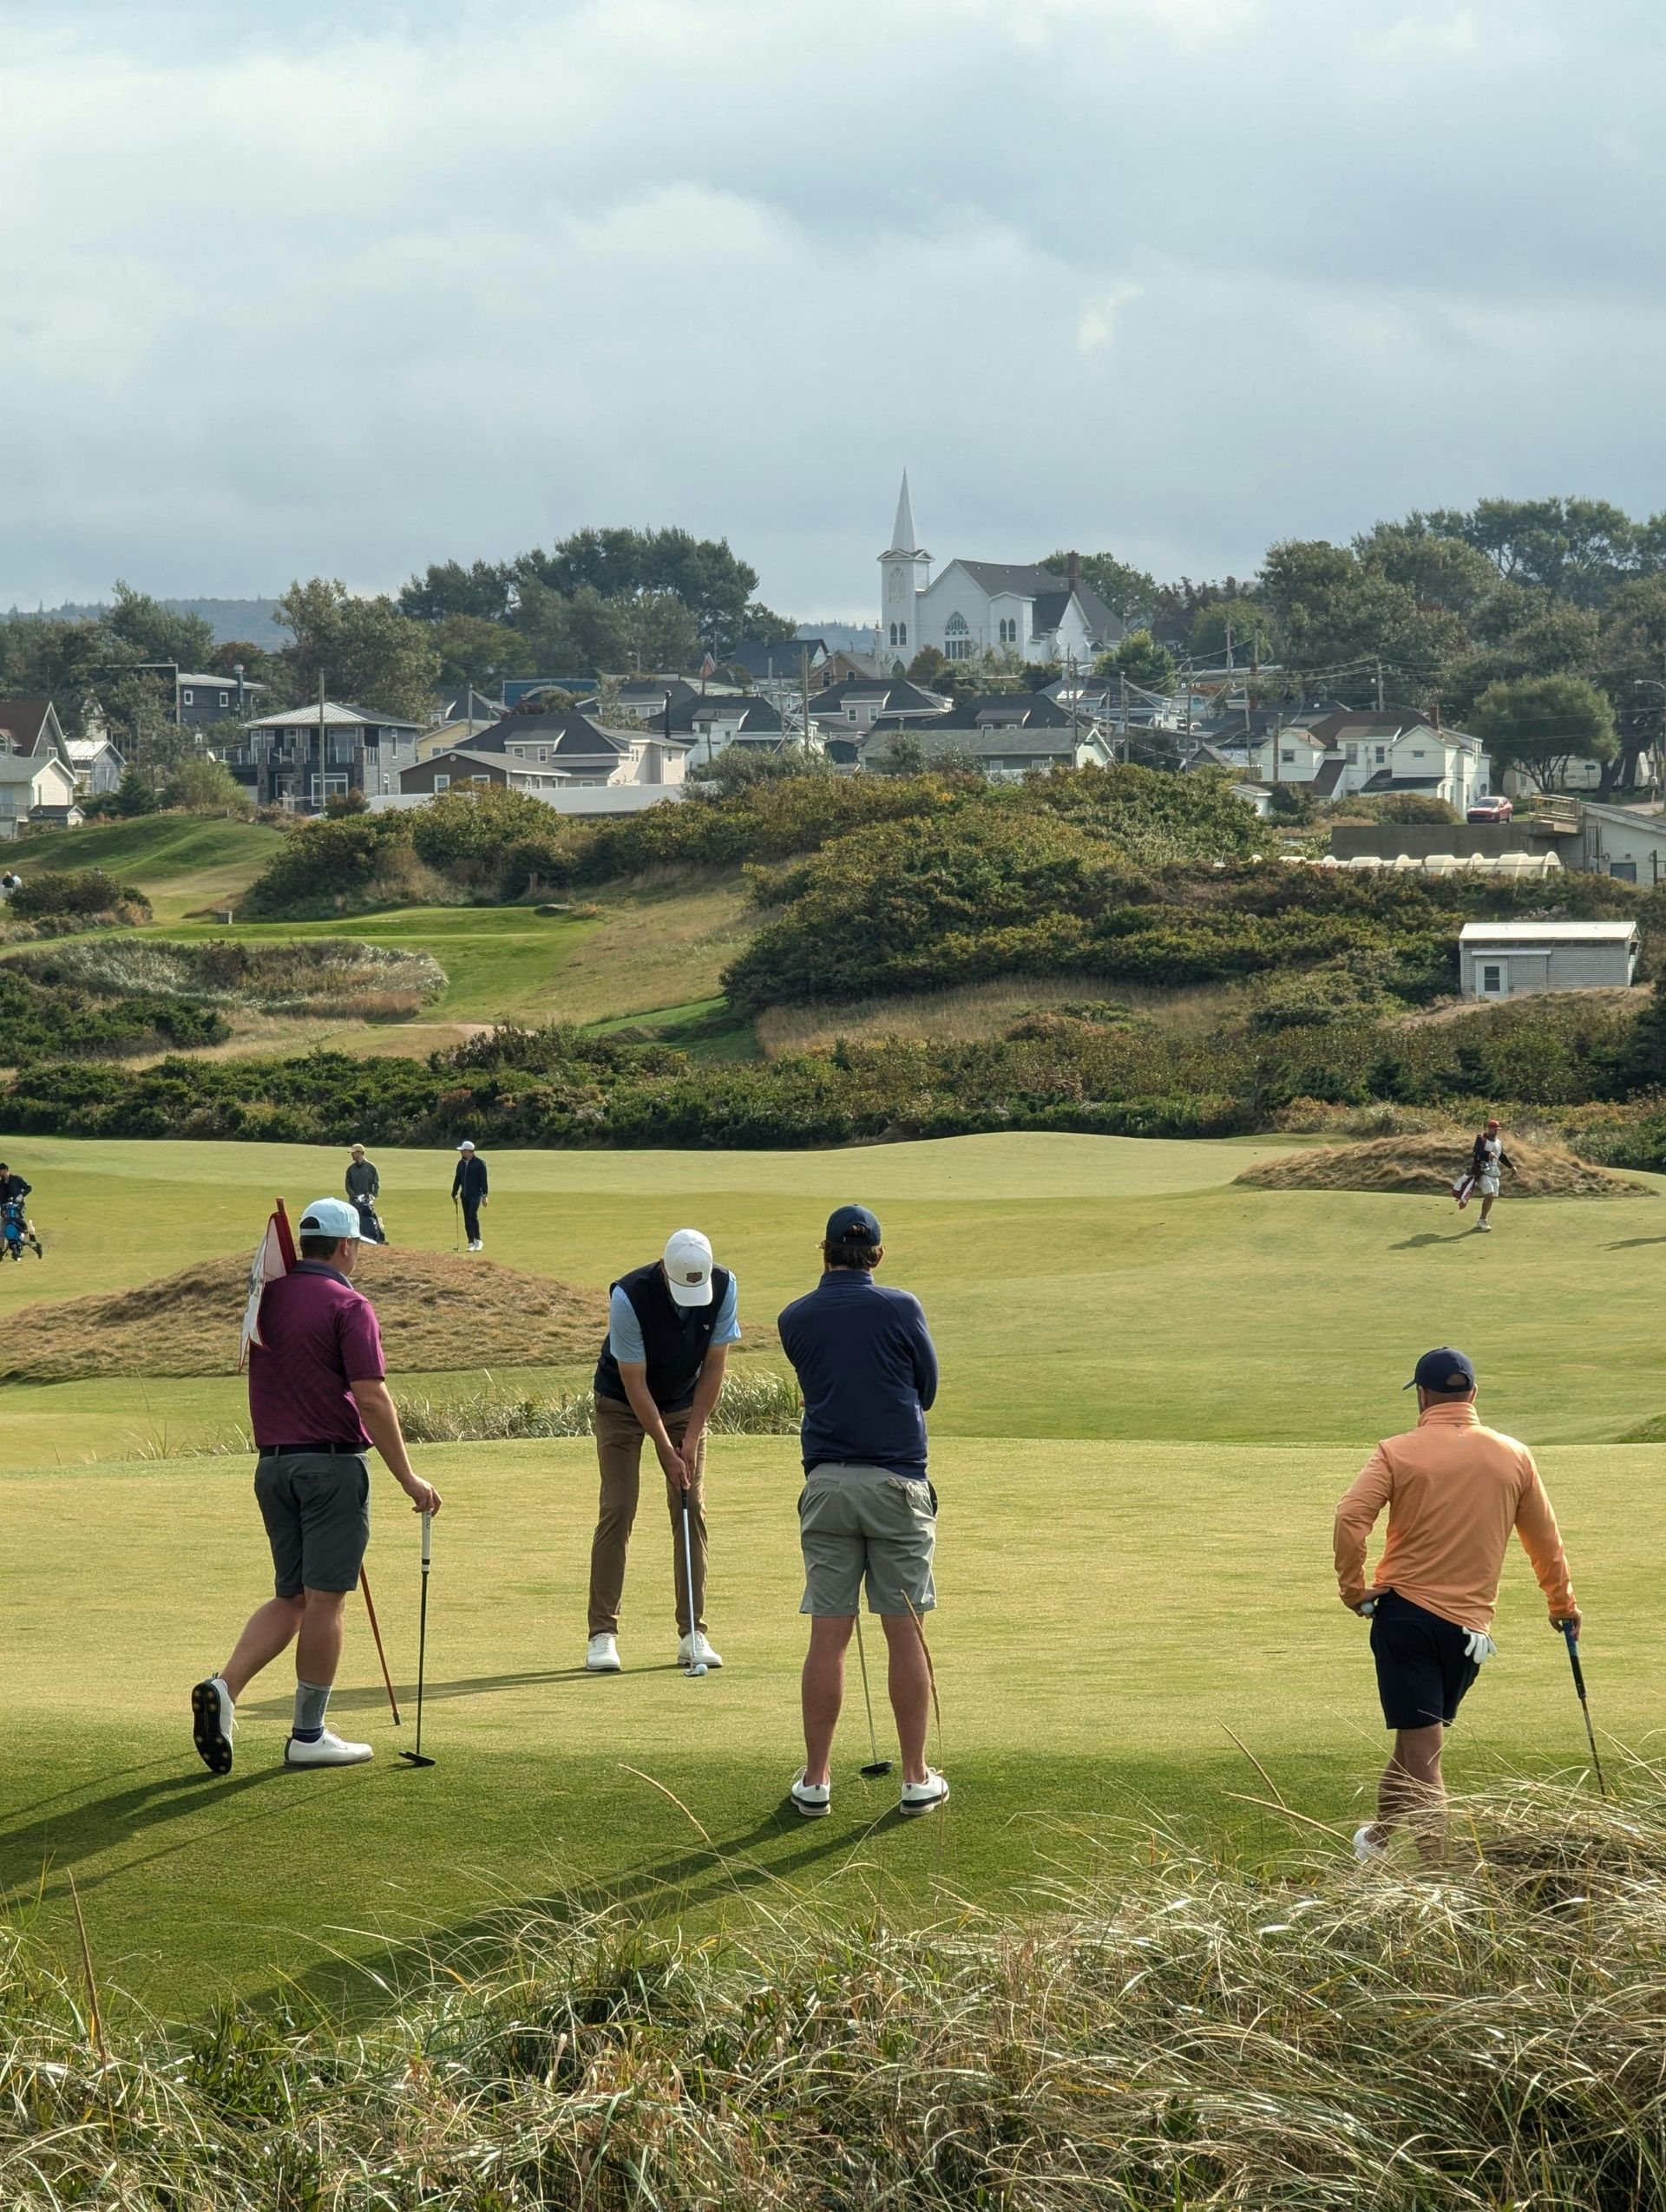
1499 810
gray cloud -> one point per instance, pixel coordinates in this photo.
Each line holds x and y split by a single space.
285 293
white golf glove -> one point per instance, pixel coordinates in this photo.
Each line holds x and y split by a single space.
1479 1646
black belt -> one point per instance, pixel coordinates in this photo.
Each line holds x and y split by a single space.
330 1451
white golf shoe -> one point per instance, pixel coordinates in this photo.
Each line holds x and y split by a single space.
1366 1846
214 1717
329 1751
476 1245
813 1799
924 1797
602 1655
694 1651
1484 1228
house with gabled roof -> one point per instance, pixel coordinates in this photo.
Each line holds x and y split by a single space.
973 608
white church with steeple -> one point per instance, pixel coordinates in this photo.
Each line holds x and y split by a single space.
977 606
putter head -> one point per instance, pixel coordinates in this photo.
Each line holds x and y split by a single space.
415 1759
875 1768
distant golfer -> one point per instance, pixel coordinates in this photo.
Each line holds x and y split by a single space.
469 1184
363 1188
12 1187
660 1374
317 1397
1454 1490
1487 1157
866 1366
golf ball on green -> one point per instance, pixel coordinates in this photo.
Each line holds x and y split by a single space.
699 1667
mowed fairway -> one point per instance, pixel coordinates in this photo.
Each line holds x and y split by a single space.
1155 1387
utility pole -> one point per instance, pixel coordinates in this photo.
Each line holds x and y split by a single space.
320 779
1379 684
1228 649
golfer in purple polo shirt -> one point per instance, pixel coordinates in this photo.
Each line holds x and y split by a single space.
318 1399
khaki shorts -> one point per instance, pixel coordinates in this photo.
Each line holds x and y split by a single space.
855 1521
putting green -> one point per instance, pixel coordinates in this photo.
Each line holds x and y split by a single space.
1110 1611
1156 1386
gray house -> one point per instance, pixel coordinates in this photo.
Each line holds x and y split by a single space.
305 755
1503 959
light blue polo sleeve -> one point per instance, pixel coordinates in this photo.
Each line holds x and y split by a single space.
728 1328
624 1330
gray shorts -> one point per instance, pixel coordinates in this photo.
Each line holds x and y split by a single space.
856 1521
316 1508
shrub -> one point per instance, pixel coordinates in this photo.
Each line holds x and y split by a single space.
314 975
201 785
77 896
323 866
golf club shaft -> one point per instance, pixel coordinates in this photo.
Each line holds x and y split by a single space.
421 1627
1573 1642
376 1630
688 1570
867 1694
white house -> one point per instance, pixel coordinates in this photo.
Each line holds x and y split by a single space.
96 764
978 606
1363 752
1503 959
37 787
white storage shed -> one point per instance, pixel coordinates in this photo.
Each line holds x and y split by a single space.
1502 959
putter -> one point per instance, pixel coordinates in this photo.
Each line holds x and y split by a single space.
457 1224
416 1758
376 1630
1573 1642
876 1766
695 1666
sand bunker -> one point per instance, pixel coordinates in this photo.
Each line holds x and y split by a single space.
1431 1165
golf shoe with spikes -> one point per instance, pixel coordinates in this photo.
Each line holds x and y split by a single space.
214 1717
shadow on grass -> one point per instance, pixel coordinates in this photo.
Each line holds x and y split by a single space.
685 1879
31 1851
1432 1236
1630 1244
373 1697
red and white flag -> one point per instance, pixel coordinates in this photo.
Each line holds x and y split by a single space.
274 1256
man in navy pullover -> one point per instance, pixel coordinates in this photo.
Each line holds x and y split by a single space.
868 1370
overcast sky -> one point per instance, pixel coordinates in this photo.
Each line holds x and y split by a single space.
307 288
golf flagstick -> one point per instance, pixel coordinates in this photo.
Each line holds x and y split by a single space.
416 1758
376 1630
876 1766
1573 1642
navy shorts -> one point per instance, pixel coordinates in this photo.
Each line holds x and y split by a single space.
1424 1672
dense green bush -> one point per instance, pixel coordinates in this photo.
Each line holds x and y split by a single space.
78 896
1119 1075
40 1021
324 865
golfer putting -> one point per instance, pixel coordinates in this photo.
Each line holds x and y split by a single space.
659 1377
318 1399
1454 1490
868 1370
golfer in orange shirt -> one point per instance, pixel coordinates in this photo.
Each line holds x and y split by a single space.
1454 1490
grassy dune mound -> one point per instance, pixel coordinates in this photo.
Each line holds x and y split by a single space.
437 1310
1199 2040
1430 1165
322 976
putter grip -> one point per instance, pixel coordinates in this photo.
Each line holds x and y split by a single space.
427 1530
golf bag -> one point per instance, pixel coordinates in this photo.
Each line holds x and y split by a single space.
369 1222
19 1231
1461 1189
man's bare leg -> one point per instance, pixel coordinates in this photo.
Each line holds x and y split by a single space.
823 1692
909 1685
318 1648
1413 1792
268 1633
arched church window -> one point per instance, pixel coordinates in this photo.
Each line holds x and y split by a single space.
957 638
902 633
892 633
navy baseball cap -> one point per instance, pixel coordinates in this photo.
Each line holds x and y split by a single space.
852 1224
1444 1370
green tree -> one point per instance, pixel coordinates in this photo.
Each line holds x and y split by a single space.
1143 661
929 667
473 650
205 786
258 666
367 652
1538 723
715 585
483 591
136 793
1250 629
155 632
1438 571
1127 591
1576 549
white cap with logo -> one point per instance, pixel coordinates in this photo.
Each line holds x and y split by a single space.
331 1217
688 1267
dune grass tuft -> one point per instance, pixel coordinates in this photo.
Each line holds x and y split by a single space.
1198 2039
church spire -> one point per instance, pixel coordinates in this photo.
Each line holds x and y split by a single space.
902 538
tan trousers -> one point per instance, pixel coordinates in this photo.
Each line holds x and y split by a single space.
619 1439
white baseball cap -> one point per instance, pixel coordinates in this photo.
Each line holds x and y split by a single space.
688 1267
331 1217
467 1145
